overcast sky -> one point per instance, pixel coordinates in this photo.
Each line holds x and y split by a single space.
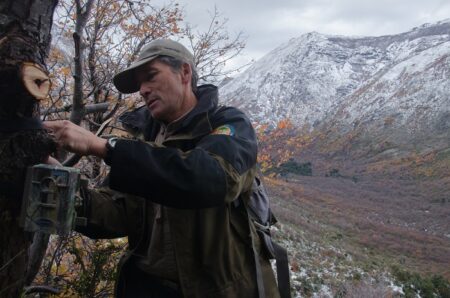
268 24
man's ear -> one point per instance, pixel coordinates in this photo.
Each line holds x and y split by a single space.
186 73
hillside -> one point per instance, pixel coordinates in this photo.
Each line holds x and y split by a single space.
346 234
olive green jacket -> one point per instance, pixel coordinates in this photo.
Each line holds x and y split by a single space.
198 172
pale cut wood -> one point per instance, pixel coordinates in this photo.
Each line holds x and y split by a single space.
35 80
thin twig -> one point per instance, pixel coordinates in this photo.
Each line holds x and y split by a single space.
10 261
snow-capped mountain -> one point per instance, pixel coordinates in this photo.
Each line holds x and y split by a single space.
398 82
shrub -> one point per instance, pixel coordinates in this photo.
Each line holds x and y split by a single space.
291 166
427 287
441 285
357 289
333 173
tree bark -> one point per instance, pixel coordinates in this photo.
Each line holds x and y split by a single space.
24 38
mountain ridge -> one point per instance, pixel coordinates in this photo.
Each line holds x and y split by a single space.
395 86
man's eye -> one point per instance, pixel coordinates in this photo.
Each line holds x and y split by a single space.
151 76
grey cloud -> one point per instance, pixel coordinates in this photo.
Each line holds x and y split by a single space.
270 23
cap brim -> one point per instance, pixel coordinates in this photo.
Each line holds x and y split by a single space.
125 81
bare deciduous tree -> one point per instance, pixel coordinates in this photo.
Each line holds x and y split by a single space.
214 48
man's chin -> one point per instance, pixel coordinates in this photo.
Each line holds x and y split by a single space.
157 116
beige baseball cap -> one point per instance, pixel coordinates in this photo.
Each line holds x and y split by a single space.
125 81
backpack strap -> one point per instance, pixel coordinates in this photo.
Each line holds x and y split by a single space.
281 257
259 277
278 252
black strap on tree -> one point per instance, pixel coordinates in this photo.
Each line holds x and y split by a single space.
18 124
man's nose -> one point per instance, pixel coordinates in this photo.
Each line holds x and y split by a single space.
145 90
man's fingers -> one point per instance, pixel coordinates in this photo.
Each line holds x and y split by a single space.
52 161
56 129
52 125
60 129
71 137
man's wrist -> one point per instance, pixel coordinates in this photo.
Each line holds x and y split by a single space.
98 148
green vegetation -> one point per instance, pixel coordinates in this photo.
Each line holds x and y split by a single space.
426 287
333 173
306 286
293 167
443 155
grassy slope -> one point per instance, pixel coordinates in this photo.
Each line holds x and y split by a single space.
341 231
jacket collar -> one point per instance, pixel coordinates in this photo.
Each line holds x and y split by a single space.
208 99
140 121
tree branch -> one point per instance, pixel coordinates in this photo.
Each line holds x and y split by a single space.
41 289
82 17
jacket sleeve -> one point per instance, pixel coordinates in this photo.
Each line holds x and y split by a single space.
105 212
213 173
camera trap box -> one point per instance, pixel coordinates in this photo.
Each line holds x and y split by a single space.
49 199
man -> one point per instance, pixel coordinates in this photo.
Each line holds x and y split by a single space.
173 190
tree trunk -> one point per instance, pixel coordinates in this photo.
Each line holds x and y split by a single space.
24 40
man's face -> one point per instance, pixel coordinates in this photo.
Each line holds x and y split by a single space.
163 90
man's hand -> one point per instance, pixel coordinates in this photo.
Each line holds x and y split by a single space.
52 161
76 139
